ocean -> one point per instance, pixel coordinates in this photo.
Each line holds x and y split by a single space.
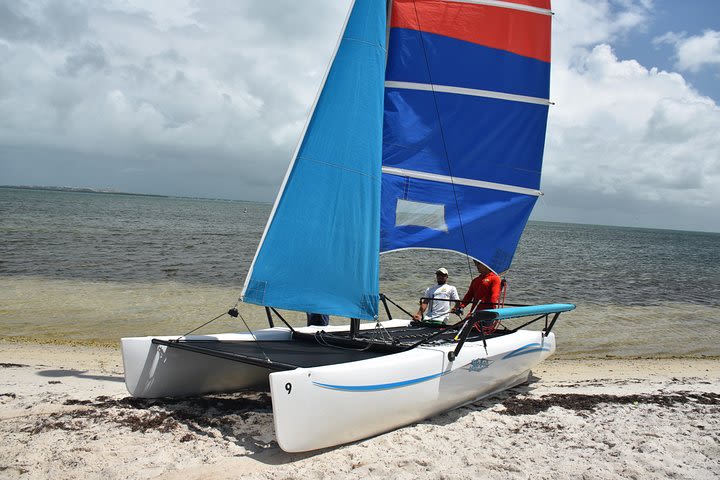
94 267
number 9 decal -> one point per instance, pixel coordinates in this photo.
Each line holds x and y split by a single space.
288 387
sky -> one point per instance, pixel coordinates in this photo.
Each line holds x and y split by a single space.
208 99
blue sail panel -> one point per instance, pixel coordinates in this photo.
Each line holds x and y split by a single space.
320 249
464 64
466 105
471 137
420 213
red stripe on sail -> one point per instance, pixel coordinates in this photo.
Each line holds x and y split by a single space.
517 31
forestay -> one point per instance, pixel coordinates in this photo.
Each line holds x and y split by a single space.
320 249
466 102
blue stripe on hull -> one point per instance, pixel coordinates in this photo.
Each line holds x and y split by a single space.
463 64
524 350
381 386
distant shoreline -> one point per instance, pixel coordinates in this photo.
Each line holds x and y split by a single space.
157 195
109 191
79 190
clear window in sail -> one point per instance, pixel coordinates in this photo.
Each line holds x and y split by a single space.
420 214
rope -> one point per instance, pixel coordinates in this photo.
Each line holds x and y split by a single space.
233 312
320 339
255 338
398 306
380 333
208 322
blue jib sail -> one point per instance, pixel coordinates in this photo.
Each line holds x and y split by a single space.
466 105
320 250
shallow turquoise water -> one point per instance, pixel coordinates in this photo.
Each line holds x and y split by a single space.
84 266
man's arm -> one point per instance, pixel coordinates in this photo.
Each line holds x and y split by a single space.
421 310
495 290
469 296
454 296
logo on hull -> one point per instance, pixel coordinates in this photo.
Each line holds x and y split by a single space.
480 364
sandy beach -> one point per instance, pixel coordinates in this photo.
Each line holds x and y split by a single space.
65 413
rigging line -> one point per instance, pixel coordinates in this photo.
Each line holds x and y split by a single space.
257 342
381 334
233 312
320 339
398 306
204 324
442 136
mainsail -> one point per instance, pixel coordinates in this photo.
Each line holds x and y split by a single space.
454 117
320 249
466 103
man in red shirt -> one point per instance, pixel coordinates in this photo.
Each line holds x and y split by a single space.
484 291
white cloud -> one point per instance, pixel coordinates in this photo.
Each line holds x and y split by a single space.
693 53
166 86
578 24
623 138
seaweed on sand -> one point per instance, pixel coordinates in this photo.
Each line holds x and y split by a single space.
589 403
225 416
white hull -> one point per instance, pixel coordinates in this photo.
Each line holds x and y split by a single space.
156 371
330 405
337 404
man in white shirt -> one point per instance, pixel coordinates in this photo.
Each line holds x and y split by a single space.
438 311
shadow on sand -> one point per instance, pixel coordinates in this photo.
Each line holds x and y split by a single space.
79 374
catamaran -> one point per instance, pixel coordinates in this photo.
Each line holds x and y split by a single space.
428 133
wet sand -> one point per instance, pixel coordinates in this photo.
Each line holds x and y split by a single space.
65 413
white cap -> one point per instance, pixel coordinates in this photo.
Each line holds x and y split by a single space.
442 270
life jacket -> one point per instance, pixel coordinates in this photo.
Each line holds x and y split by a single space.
489 326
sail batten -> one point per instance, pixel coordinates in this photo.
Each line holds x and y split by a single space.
466 91
461 181
507 4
